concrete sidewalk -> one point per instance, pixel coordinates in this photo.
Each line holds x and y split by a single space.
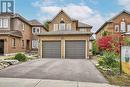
17 82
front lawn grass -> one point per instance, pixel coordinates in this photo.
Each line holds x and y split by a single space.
123 80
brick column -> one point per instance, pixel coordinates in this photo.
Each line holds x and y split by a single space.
86 50
63 49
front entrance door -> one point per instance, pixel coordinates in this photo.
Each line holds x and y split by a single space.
27 44
1 47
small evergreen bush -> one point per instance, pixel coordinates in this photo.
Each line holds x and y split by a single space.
20 57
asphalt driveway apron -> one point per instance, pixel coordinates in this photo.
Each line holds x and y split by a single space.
81 70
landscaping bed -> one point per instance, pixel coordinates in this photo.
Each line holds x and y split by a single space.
120 80
6 61
113 77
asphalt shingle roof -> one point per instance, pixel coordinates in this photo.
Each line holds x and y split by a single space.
80 24
9 32
35 22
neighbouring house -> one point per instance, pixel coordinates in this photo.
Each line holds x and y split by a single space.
66 38
117 24
15 34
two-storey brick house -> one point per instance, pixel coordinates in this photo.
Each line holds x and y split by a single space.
117 24
15 34
66 38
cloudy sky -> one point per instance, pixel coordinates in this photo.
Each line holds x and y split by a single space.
93 12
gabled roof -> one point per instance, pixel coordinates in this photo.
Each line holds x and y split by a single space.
64 13
15 15
21 18
110 20
82 25
35 23
15 33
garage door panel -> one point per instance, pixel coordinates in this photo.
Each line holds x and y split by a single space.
75 49
51 49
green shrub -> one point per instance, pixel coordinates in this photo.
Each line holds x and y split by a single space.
105 33
100 61
94 48
20 57
109 60
127 41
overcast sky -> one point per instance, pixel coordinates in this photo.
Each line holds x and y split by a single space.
93 12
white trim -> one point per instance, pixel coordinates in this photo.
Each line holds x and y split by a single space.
128 27
34 44
68 26
55 27
36 30
62 26
123 26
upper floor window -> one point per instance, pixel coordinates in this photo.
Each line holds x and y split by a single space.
68 26
116 28
123 26
4 23
1 23
36 30
23 26
55 27
62 26
128 26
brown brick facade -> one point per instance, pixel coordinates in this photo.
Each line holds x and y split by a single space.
109 26
72 35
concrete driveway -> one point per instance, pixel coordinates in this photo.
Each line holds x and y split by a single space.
81 70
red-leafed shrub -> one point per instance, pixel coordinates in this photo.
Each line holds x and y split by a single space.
110 43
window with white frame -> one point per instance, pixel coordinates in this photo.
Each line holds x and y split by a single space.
62 26
35 30
4 23
123 26
34 44
23 26
55 27
68 27
0 23
116 28
128 26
